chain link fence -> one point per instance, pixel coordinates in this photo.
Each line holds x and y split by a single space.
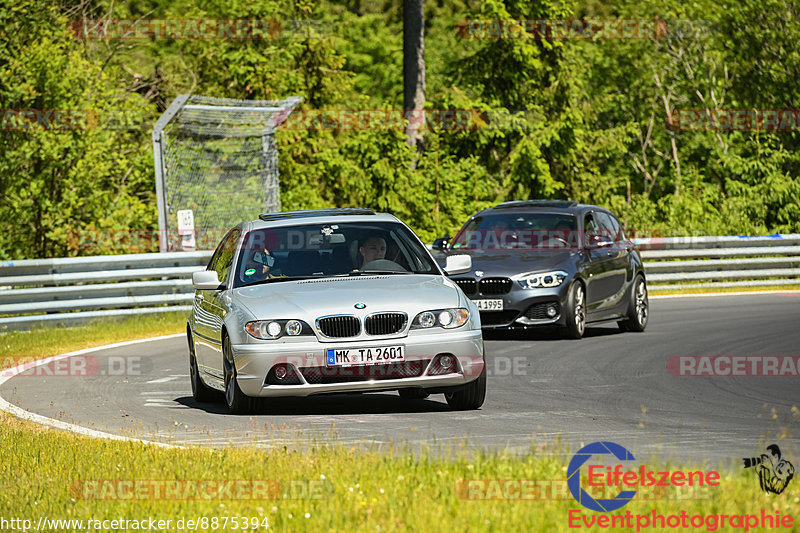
216 164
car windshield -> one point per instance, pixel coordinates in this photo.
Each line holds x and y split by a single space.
323 250
518 230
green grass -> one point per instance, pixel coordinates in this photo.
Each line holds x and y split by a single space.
363 488
52 340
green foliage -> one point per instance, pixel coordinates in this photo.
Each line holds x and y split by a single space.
586 120
56 182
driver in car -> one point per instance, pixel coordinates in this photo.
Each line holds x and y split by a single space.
260 266
373 249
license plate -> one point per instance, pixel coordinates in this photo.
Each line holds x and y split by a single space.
489 305
376 355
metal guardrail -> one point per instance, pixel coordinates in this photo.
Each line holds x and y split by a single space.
76 289
717 262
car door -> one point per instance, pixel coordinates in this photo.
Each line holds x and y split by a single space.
213 311
599 265
617 263
201 325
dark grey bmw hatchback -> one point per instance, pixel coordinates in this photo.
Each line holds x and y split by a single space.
550 263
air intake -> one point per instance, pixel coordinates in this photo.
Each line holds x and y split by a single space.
385 323
495 286
339 326
469 286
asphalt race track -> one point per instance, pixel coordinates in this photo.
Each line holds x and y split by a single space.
609 386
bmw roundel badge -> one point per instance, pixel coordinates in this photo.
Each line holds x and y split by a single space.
360 306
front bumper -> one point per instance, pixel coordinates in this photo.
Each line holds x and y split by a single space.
524 308
255 360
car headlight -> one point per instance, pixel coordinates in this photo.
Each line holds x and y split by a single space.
274 329
443 318
536 280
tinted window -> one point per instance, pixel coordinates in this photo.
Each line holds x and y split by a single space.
617 228
517 230
607 226
590 228
224 254
212 263
320 250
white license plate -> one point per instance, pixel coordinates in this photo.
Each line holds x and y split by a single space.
489 305
376 355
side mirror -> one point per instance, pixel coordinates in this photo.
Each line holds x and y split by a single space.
441 243
458 264
205 280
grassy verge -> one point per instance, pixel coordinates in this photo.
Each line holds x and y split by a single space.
53 340
331 487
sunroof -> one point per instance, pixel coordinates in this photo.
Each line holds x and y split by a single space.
536 203
317 213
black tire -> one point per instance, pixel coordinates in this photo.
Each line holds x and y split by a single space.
238 403
469 397
413 394
200 392
575 312
638 307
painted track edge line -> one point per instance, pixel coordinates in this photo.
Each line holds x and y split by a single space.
7 374
706 294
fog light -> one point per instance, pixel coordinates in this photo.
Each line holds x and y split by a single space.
294 327
282 374
551 311
273 329
447 362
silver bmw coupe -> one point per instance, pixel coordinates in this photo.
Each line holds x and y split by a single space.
334 300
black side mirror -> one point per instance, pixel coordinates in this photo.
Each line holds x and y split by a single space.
441 243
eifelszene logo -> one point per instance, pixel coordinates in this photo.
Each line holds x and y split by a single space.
774 472
607 476
574 476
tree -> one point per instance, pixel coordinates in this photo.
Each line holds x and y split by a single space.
414 68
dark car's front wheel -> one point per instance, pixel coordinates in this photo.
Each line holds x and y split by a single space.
469 397
575 311
238 402
638 307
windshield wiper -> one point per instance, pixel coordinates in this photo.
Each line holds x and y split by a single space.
362 272
271 280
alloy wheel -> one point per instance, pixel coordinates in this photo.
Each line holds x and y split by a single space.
580 310
641 303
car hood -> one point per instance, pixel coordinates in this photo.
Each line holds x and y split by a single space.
313 298
510 262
